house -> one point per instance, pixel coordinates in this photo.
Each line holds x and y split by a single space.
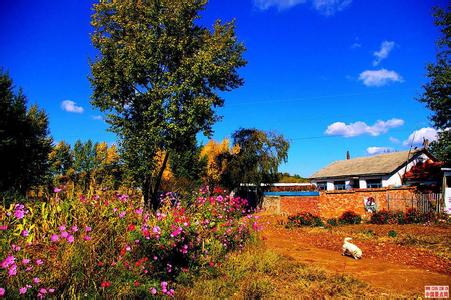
384 170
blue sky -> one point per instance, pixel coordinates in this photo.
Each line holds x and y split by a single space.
330 75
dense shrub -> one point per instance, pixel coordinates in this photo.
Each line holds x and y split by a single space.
411 216
350 217
392 233
332 221
304 219
380 217
110 246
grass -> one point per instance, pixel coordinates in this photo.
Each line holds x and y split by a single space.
258 273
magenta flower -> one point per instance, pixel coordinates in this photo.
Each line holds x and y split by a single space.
74 228
57 190
64 234
70 239
24 233
2 292
43 291
23 290
12 271
9 260
19 213
36 280
122 214
25 261
87 238
54 238
15 248
3 227
88 229
62 228
51 290
39 262
153 291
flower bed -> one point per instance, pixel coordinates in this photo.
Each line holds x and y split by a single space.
109 245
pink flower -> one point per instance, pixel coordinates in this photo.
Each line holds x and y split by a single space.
2 292
139 211
15 248
24 233
70 239
39 262
74 228
64 234
122 214
87 238
51 290
57 190
23 290
29 269
25 261
54 238
9 260
19 213
62 228
88 229
36 280
3 227
12 271
43 291
153 291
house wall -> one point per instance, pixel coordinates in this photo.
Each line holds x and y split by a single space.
330 204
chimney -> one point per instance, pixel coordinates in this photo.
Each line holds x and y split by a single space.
348 156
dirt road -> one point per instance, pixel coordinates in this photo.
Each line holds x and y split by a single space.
390 273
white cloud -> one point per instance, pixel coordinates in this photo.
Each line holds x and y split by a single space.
378 150
356 45
71 106
384 51
416 137
325 7
279 4
359 128
394 140
379 77
330 7
98 118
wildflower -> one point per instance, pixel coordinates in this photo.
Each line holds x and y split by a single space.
122 214
156 230
3 227
139 211
29 269
64 234
8 261
19 212
88 229
87 238
15 248
54 238
131 227
12 271
136 283
43 291
51 291
25 261
57 190
155 258
105 284
23 290
39 262
36 280
2 292
74 228
24 233
153 291
70 239
128 249
62 228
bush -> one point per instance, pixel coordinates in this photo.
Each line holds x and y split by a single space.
332 222
392 233
350 217
411 216
304 219
380 217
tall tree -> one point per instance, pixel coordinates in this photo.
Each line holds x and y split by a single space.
61 161
437 92
258 159
24 140
158 75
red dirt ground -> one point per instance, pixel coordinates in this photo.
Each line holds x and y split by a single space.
386 266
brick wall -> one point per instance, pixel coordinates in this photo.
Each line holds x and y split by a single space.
333 203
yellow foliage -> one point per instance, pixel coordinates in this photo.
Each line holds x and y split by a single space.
112 156
216 166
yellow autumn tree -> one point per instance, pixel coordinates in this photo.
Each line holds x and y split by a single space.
217 155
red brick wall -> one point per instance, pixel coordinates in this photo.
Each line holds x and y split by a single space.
331 204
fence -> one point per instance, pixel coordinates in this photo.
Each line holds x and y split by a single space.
425 203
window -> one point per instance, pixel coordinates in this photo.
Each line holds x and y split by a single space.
321 185
339 185
374 183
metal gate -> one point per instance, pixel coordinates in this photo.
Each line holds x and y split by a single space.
425 203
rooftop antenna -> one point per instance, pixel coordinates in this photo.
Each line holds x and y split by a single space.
408 154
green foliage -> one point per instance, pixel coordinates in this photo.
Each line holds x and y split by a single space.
437 91
332 222
392 233
288 178
304 219
24 141
350 217
258 159
158 75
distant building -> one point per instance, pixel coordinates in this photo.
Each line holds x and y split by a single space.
384 170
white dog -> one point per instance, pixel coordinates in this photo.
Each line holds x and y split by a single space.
351 249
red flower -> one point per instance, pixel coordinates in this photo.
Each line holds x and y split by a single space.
136 283
105 284
100 264
131 227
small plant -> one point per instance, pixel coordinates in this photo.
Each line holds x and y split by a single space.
392 234
350 217
304 219
413 216
380 217
332 222
368 232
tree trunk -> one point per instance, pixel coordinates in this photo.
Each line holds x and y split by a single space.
155 198
146 191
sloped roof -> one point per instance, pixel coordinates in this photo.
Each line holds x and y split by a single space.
379 164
